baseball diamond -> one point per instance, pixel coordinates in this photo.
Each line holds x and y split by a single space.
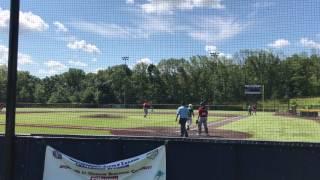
123 122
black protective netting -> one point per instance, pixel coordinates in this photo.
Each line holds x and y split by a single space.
123 67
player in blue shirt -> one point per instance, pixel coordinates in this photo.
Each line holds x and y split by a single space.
183 114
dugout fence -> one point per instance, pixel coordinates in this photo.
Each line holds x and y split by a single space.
231 160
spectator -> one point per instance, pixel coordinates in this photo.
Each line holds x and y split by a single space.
182 113
202 119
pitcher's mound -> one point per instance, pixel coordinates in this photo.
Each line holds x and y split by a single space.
104 116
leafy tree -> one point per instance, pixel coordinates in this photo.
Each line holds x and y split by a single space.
217 80
26 86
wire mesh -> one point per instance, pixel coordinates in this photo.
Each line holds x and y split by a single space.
87 68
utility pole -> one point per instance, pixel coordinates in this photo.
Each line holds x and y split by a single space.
9 148
125 59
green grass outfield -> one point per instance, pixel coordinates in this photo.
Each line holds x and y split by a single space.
264 126
268 127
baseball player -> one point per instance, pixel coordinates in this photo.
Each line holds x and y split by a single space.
190 115
202 119
146 107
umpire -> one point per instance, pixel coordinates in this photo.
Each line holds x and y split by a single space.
183 113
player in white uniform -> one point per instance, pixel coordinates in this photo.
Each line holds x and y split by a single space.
190 115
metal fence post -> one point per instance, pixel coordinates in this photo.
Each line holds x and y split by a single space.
9 157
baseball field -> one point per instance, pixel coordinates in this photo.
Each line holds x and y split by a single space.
110 121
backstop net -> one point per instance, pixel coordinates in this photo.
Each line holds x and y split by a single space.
242 70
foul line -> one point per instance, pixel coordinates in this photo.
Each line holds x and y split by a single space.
220 123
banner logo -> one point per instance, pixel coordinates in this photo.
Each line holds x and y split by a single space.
56 154
149 166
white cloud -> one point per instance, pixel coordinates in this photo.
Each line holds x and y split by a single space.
228 56
105 30
3 54
23 59
52 64
144 61
309 43
215 29
77 63
4 18
52 67
142 28
210 29
32 22
168 6
28 21
60 27
280 43
130 1
84 46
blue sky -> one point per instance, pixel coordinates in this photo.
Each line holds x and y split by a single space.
56 35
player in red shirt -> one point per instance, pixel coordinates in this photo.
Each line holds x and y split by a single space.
146 107
254 108
202 119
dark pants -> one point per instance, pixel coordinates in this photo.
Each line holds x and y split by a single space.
183 129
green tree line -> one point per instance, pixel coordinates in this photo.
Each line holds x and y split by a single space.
218 80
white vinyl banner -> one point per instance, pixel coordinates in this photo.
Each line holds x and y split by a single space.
148 166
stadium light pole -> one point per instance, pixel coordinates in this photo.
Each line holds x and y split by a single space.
125 59
214 55
9 148
262 85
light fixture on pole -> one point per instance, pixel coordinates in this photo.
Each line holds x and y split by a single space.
214 54
125 59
